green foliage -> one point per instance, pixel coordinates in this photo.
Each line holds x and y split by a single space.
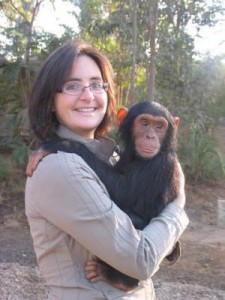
222 160
3 169
10 87
202 160
20 156
7 131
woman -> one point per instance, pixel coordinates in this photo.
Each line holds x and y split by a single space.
69 211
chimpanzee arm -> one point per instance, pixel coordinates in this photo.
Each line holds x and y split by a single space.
110 176
59 144
107 174
101 168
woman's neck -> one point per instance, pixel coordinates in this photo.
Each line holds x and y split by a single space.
65 132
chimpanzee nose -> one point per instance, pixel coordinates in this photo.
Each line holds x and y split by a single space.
150 135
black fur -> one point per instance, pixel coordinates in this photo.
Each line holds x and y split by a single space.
140 187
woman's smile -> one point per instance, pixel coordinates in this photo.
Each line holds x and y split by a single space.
86 109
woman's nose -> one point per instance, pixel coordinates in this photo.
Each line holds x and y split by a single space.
87 94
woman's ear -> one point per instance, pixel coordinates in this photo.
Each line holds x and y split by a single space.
121 114
53 107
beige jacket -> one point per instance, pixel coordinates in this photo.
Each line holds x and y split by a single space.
72 218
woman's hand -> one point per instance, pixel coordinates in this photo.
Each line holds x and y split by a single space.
181 198
34 159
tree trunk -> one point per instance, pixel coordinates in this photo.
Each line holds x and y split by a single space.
134 49
34 13
151 69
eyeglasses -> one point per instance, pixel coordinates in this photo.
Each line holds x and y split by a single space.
74 89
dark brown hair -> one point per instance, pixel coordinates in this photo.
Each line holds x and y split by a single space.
52 75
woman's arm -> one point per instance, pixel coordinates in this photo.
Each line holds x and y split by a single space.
69 195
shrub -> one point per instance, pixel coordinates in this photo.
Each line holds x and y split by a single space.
3 169
202 161
20 156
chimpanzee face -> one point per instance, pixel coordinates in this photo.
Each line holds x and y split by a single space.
149 132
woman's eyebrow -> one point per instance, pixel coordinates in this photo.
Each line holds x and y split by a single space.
79 79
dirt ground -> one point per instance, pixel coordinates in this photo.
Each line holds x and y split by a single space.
200 270
203 243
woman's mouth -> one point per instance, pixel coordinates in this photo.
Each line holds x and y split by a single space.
86 109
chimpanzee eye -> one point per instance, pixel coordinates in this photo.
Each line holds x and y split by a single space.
144 122
159 125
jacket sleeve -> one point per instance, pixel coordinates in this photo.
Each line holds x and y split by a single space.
70 195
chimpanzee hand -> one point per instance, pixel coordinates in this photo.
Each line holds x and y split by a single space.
95 271
44 149
174 254
34 159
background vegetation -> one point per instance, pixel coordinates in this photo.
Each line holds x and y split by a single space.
153 55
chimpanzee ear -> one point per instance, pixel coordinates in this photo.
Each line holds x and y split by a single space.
176 123
121 114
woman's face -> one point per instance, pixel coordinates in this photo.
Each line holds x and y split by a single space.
84 112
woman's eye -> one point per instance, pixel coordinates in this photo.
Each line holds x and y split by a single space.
96 85
72 86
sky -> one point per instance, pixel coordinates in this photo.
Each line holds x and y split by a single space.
210 41
50 18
